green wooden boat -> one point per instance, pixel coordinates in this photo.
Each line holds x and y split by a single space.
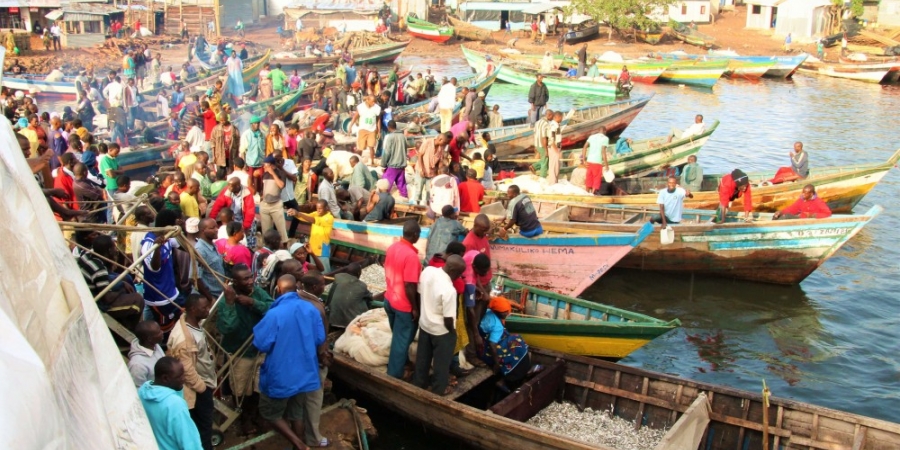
524 76
427 30
691 36
580 327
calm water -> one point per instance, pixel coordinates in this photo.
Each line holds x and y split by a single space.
832 340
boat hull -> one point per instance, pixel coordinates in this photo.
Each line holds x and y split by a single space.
695 73
869 73
468 31
747 70
567 264
426 30
646 73
586 34
376 54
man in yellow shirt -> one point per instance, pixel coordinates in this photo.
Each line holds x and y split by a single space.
320 235
187 163
189 204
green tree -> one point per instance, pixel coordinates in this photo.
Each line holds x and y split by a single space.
623 14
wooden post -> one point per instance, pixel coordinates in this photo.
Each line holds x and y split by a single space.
765 415
216 14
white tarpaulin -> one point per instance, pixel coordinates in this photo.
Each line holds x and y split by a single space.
65 385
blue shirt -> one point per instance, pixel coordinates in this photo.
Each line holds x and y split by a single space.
164 278
177 98
212 257
289 334
351 74
673 203
169 418
492 326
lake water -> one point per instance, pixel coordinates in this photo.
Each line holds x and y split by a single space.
833 339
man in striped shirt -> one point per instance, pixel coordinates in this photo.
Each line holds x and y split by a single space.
541 138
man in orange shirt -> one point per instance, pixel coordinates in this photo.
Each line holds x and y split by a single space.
471 193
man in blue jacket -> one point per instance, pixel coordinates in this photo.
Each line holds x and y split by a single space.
292 335
166 409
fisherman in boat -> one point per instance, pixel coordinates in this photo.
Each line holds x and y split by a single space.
541 136
505 353
733 186
594 155
538 96
808 206
488 66
521 212
671 203
624 80
697 128
799 169
402 269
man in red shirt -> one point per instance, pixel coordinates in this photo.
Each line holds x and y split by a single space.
733 186
808 206
65 180
457 147
471 193
477 238
402 267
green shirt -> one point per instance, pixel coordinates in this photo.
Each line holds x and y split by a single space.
216 188
278 78
362 177
341 73
236 321
109 163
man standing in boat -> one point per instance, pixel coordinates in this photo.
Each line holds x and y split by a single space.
437 324
538 96
401 271
446 103
582 60
671 203
541 137
594 152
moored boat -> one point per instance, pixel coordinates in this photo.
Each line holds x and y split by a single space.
558 262
523 76
751 69
695 414
691 36
652 37
468 31
427 30
381 53
581 32
695 73
764 250
647 155
647 72
840 187
869 72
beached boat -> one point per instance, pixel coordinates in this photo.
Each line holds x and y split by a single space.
516 136
696 415
405 113
558 262
381 53
524 76
468 31
690 35
427 30
646 72
840 187
695 73
887 72
583 31
651 37
647 156
765 250
576 326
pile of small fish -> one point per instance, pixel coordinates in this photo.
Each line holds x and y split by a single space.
373 276
596 427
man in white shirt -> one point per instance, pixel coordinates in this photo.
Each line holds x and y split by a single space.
671 203
446 103
437 324
114 93
56 34
298 25
697 128
367 115
167 78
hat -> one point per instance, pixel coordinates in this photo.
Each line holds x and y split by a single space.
499 305
294 247
192 225
356 85
487 57
22 123
255 119
269 159
481 94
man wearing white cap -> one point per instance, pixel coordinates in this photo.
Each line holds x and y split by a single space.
381 203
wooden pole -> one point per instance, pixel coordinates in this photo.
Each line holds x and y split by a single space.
765 415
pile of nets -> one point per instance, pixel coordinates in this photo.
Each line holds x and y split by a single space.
533 184
367 339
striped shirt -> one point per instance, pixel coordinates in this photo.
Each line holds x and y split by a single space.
541 130
94 272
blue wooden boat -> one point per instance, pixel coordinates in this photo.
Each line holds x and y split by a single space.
782 66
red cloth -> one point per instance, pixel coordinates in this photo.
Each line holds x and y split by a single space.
726 190
469 274
401 266
209 122
455 151
781 174
814 208
321 120
481 244
459 284
290 144
470 193
594 177
225 201
65 182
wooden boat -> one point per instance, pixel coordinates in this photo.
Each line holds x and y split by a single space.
650 37
765 250
840 187
427 30
695 73
691 36
517 135
405 113
580 327
141 161
648 399
584 31
558 262
382 53
750 69
523 76
647 156
870 73
782 67
646 72
468 31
